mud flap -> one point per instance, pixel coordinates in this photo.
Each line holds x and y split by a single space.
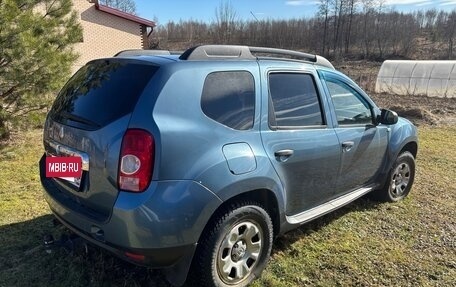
177 274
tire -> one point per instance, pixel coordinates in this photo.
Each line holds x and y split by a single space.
234 248
400 179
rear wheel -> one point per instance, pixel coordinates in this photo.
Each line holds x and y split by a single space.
235 247
400 179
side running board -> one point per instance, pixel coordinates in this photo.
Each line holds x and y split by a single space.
327 207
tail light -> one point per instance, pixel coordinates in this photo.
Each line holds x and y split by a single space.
136 160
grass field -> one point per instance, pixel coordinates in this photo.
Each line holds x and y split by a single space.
411 243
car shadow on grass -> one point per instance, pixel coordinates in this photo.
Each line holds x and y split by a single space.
24 261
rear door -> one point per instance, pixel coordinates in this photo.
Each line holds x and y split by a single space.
298 137
363 143
88 119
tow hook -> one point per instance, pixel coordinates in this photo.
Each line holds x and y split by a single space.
68 242
48 243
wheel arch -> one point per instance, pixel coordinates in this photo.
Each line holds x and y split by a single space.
411 147
265 198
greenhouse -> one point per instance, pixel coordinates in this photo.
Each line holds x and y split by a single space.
430 78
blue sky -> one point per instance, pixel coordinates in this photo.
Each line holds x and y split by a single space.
204 10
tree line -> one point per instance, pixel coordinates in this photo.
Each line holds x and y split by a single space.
341 28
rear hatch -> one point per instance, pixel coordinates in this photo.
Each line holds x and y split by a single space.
88 119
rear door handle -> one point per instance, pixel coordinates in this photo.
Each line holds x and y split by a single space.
284 154
347 146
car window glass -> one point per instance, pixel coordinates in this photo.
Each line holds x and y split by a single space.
350 108
101 92
229 98
294 101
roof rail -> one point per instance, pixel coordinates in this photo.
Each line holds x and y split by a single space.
139 52
212 52
282 52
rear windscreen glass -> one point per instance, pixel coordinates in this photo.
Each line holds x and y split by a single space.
101 92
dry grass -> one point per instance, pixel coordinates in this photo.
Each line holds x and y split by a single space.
411 243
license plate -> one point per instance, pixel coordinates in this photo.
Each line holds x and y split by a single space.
76 181
68 169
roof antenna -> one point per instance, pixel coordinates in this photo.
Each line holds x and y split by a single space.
254 16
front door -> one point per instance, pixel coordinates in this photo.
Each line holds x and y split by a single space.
363 143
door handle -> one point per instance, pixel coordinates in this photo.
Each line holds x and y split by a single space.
284 154
347 146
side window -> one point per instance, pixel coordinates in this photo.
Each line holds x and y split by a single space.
229 98
350 107
294 101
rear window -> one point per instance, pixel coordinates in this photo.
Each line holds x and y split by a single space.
229 98
101 92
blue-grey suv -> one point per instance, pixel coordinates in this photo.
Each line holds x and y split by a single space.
193 163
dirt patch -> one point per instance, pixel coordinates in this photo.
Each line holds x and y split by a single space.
420 109
363 72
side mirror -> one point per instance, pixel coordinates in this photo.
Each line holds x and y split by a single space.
388 117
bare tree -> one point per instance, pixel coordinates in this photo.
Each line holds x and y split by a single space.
335 11
352 10
419 15
430 16
128 6
381 34
451 33
226 18
323 11
368 22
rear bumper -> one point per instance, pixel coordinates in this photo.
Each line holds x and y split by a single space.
163 224
154 258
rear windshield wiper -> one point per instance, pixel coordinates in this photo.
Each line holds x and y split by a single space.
75 118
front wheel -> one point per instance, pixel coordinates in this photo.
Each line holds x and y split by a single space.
234 248
400 179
